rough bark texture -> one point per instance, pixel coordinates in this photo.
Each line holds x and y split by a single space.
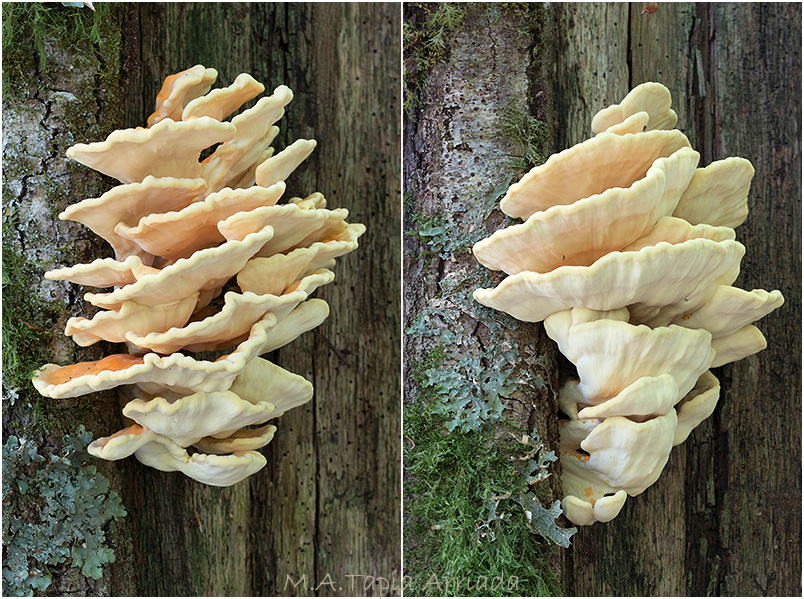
460 153
724 518
325 511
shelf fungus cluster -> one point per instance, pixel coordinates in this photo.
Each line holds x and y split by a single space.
206 260
627 252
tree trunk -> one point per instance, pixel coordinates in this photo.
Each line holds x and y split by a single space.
322 518
724 518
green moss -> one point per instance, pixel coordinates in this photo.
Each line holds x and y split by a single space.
30 328
458 533
433 358
528 18
536 35
29 27
87 42
56 508
28 321
477 502
464 519
424 38
528 132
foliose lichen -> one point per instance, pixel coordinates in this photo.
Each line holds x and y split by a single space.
56 508
539 520
469 389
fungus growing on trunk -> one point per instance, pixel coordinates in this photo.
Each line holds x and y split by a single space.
183 232
628 254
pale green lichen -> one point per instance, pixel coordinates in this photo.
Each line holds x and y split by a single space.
469 382
539 520
56 508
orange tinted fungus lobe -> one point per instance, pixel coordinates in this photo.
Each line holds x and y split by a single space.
164 93
134 429
167 87
584 457
114 362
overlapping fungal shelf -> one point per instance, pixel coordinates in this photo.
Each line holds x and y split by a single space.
627 252
206 259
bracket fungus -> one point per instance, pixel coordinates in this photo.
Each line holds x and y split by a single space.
628 253
206 258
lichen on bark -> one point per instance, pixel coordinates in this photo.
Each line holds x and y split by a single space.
61 86
488 376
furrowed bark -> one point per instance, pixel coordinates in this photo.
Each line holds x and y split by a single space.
327 504
724 518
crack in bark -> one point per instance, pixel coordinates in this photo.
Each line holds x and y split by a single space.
493 44
709 552
629 50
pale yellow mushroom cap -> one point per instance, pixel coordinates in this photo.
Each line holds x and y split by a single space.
696 406
201 414
651 98
276 273
294 226
104 272
180 89
168 149
590 168
222 102
604 509
121 444
635 279
669 229
636 123
261 380
611 355
622 455
239 313
279 167
239 441
205 269
127 204
628 254
255 130
647 396
213 470
177 234
177 371
745 342
182 229
579 233
730 309
163 453
718 194
130 317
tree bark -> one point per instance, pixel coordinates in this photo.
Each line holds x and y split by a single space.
724 518
325 509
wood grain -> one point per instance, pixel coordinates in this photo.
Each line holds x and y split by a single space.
327 504
725 517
